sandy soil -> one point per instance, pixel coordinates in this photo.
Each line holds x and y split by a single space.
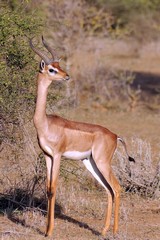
139 220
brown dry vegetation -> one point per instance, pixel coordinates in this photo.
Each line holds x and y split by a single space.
116 83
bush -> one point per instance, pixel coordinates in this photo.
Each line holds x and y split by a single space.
138 18
141 177
18 23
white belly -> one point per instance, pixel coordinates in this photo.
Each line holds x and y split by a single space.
76 155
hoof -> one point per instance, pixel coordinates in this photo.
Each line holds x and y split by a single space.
47 234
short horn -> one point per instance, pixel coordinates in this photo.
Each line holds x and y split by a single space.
39 53
51 50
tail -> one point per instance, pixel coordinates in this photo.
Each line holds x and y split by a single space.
125 147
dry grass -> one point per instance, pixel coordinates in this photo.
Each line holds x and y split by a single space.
84 217
141 177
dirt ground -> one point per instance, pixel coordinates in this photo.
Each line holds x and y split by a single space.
139 220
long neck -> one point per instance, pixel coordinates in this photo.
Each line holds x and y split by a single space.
40 111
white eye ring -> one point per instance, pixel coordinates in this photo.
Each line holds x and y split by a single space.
51 70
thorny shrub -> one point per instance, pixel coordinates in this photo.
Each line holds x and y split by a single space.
141 177
137 18
18 23
26 190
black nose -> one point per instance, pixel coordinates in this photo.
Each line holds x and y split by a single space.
67 77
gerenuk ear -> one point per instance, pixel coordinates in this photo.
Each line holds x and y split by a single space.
42 65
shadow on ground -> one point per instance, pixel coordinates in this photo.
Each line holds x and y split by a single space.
149 83
21 201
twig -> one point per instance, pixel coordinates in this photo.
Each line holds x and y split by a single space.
13 232
9 199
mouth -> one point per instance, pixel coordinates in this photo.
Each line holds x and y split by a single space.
61 79
67 78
